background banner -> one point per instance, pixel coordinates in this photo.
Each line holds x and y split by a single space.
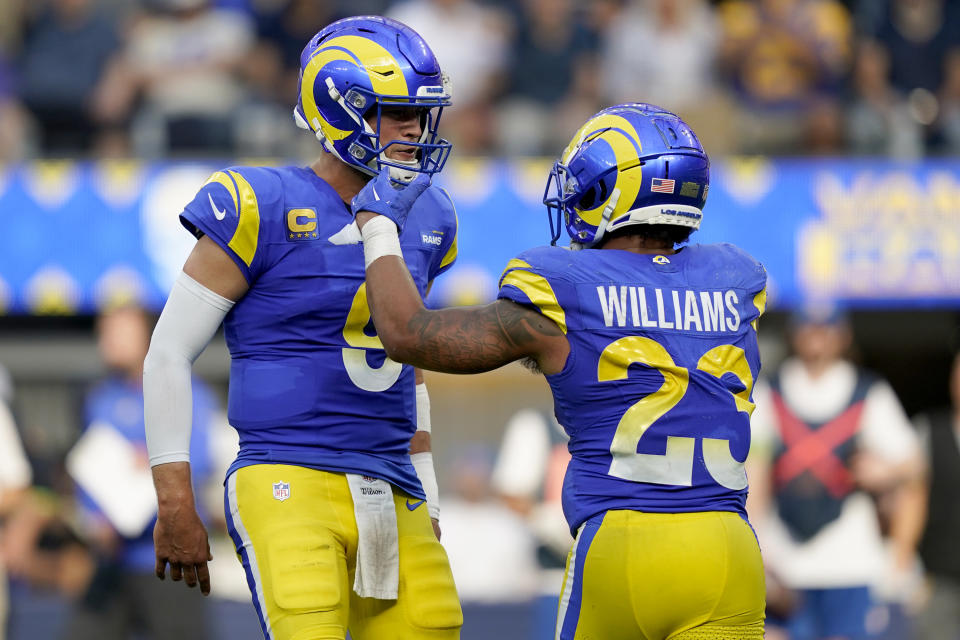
871 233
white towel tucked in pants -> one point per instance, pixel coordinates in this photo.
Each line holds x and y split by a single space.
378 553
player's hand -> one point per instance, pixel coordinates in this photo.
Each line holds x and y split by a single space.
180 540
436 527
389 198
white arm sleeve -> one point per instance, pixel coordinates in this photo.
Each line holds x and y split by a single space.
423 461
188 321
423 408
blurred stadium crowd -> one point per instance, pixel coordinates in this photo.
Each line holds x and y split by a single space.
153 78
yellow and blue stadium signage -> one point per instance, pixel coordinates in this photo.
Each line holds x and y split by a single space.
864 232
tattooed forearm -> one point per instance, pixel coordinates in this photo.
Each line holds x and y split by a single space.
523 327
470 340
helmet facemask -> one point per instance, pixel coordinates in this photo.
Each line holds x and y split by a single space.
431 150
560 191
364 149
565 195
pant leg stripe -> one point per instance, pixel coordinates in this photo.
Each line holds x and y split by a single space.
571 598
567 587
241 541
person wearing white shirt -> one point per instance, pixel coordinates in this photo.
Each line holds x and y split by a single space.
828 438
15 478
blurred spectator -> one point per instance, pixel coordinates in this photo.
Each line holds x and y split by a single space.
940 433
470 42
552 78
124 595
346 8
37 543
528 477
13 121
66 52
918 35
490 550
674 65
916 49
182 59
829 438
878 118
14 480
11 24
786 61
271 71
282 28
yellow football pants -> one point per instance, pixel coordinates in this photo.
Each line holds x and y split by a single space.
654 576
299 551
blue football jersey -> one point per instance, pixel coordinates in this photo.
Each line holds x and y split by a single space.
656 391
310 383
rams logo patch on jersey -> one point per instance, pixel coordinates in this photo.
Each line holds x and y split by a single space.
432 238
301 225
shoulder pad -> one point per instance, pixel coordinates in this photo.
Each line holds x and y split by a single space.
737 265
228 208
530 279
548 261
740 268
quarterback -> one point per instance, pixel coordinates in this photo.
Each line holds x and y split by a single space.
650 351
330 499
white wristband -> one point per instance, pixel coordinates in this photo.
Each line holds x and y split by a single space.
423 463
380 238
423 408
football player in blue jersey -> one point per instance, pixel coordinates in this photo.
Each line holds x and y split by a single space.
330 499
650 351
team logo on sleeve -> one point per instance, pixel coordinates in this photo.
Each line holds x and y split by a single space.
432 238
302 225
281 491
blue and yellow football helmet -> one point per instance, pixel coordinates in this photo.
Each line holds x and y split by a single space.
365 63
629 164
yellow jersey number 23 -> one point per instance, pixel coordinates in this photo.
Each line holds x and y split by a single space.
675 466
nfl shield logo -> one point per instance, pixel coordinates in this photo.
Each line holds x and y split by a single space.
281 491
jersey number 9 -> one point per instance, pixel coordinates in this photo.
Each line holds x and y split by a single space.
355 356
